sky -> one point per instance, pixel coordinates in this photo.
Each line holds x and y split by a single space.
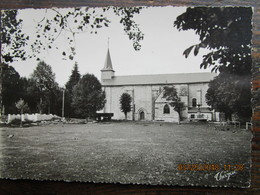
161 51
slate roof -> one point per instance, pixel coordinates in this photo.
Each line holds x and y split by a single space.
156 79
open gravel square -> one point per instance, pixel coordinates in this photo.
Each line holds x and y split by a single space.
127 152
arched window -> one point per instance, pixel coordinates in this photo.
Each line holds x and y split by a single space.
194 102
166 109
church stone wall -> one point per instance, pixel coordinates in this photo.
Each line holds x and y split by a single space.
115 102
113 105
193 93
184 112
107 74
141 97
145 101
173 116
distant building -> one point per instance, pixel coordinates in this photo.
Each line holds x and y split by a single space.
147 94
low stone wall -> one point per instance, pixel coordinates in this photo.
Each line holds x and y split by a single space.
31 117
198 116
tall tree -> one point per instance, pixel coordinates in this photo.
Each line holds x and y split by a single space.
171 95
88 96
227 33
32 95
45 84
12 41
125 103
229 93
73 80
13 89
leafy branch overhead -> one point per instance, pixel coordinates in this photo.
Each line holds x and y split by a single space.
130 27
81 20
224 30
13 40
67 22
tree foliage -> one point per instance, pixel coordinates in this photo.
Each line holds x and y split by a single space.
33 95
229 93
125 103
16 88
43 102
73 80
88 96
43 76
44 85
13 39
171 95
79 20
227 31
13 88
22 106
130 27
58 21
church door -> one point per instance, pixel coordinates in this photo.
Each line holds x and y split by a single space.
141 115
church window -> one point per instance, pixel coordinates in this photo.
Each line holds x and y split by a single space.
166 109
194 102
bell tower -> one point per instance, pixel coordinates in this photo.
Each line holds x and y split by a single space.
107 72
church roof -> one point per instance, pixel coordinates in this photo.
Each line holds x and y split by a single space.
108 62
156 79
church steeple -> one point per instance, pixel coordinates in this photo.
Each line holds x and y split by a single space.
108 62
107 72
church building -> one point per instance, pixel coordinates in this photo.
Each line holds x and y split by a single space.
146 93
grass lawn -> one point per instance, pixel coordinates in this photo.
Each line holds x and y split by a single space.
125 152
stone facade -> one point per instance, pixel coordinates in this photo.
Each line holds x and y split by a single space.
146 92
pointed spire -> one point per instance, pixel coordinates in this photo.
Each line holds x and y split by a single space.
108 62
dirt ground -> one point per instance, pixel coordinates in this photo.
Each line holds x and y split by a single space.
127 152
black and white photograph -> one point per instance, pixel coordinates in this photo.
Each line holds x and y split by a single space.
129 95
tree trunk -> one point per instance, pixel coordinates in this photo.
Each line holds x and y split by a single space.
126 116
228 116
1 85
1 66
49 109
21 122
179 118
40 109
